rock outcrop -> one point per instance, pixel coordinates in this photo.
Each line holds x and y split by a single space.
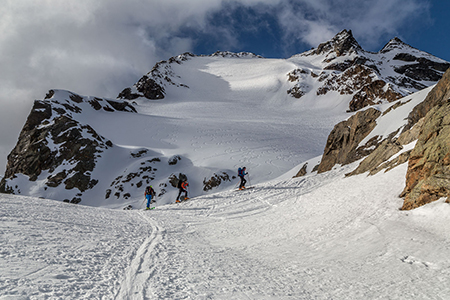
342 145
438 94
370 78
54 144
381 157
152 85
428 176
215 181
341 44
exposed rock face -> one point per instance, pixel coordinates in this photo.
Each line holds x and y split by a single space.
143 175
146 87
54 144
438 94
343 43
342 144
299 76
302 171
152 86
372 94
215 181
380 158
428 176
350 70
234 55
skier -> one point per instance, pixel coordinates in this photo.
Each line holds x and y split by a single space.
149 194
241 174
182 186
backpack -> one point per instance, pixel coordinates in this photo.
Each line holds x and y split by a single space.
182 177
240 172
150 191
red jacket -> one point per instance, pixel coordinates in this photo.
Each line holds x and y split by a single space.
184 185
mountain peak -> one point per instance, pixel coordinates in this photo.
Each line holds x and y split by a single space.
394 43
342 43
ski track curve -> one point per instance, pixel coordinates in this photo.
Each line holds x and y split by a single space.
136 284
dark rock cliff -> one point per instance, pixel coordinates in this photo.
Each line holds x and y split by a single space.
54 143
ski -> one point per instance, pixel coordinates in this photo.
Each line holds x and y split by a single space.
247 188
182 199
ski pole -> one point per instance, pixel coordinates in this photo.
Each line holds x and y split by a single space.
249 181
236 185
154 203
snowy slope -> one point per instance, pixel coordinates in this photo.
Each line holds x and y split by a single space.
318 237
236 112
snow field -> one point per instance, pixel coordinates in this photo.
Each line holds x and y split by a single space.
318 237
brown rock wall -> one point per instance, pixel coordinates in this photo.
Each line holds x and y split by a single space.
342 143
428 176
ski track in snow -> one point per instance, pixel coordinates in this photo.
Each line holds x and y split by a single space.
135 285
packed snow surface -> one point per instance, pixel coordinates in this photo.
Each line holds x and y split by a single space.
318 237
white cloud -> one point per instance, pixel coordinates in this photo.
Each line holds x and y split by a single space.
312 22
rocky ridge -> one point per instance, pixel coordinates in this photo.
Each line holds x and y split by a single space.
397 70
427 127
153 85
54 144
60 152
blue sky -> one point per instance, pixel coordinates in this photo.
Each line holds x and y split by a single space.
99 47
432 34
259 30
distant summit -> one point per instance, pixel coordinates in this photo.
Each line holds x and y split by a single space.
393 44
342 43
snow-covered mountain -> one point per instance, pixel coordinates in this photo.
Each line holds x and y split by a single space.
339 65
322 220
208 116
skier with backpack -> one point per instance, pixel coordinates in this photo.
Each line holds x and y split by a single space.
149 195
182 186
241 174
